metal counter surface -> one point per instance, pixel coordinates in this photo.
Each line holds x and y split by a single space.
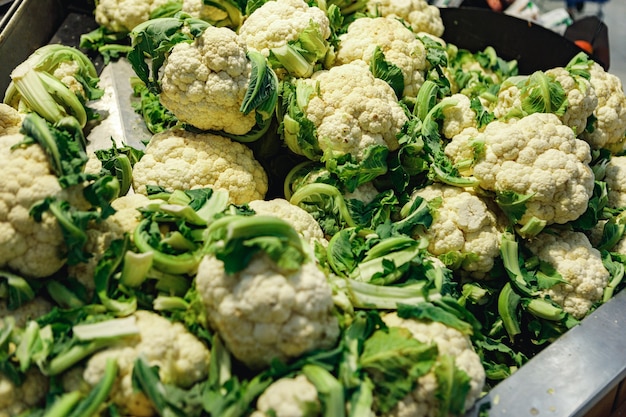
572 374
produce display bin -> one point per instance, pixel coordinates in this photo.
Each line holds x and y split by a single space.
580 374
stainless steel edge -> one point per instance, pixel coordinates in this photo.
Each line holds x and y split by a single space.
119 120
572 374
27 25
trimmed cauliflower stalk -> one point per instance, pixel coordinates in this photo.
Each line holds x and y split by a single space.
278 22
537 157
581 98
10 120
15 400
100 235
609 128
182 360
579 264
181 160
418 14
422 401
398 44
296 216
265 312
464 230
204 82
27 179
289 397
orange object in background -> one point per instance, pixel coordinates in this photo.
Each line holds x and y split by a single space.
584 45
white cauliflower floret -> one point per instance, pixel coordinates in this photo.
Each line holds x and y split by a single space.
396 41
10 120
204 82
353 110
182 360
265 312
422 401
27 179
459 117
418 14
615 178
278 22
124 15
578 263
538 156
288 397
581 98
365 192
297 217
66 73
181 160
463 224
610 125
100 235
15 400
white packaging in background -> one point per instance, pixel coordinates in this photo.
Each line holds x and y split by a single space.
556 20
523 9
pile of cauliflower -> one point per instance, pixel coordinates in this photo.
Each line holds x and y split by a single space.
376 104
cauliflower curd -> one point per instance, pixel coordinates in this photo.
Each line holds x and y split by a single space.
264 312
353 110
204 82
182 160
536 156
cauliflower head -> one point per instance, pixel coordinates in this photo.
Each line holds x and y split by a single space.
396 41
297 217
265 312
278 22
289 397
422 401
15 400
538 156
615 178
462 224
182 360
418 14
610 113
124 15
181 160
33 249
459 117
581 98
204 83
578 263
10 120
100 235
353 110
